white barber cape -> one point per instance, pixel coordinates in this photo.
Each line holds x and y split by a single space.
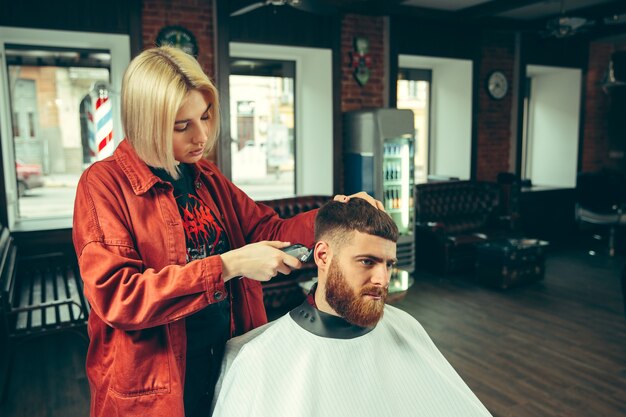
283 369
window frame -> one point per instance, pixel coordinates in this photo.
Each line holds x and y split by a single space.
119 47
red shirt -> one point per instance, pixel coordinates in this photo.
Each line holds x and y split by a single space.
131 251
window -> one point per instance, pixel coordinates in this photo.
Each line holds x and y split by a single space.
551 126
285 104
62 113
262 127
448 92
48 87
414 94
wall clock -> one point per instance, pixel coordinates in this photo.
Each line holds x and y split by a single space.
178 37
497 85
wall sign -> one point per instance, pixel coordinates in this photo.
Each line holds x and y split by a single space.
361 60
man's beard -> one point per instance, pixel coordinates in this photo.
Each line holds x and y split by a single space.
350 305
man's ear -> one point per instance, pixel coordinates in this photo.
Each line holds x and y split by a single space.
321 253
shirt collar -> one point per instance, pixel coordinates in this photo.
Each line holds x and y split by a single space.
139 175
307 316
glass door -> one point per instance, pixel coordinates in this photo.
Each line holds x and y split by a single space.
398 181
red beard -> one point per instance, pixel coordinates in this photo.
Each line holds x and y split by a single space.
355 308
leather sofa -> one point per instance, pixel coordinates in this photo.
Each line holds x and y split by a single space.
283 292
452 217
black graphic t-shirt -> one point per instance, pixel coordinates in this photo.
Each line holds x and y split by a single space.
205 237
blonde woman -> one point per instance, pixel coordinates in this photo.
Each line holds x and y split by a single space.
160 234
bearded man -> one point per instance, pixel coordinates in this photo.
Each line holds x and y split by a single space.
343 352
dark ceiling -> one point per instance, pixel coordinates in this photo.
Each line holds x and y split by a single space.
597 18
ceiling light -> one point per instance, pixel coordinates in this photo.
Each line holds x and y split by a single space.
564 26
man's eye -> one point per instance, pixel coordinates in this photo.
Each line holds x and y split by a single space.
367 262
391 264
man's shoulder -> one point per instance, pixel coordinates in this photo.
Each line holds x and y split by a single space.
394 313
402 321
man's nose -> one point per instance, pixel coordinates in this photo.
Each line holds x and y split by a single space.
382 275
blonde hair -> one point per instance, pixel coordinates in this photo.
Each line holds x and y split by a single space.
154 86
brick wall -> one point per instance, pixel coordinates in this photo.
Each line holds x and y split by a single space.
195 15
596 144
354 96
494 116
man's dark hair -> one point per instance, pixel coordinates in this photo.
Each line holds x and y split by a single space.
335 220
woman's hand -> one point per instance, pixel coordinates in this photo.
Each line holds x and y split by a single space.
260 261
365 196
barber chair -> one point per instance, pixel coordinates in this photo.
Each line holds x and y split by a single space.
600 201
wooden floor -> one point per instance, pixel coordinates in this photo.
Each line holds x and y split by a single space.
555 348
48 378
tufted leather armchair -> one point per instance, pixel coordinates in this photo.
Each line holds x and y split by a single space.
451 218
283 291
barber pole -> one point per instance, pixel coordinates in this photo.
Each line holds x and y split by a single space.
103 122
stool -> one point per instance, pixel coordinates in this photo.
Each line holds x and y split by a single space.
510 262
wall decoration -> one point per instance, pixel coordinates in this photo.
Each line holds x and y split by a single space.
361 61
497 85
178 37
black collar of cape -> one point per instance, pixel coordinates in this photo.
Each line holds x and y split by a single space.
323 324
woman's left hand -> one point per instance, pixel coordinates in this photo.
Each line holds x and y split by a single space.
365 196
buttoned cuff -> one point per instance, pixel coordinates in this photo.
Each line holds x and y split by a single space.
215 287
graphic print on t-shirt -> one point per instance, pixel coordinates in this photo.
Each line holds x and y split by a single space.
204 235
